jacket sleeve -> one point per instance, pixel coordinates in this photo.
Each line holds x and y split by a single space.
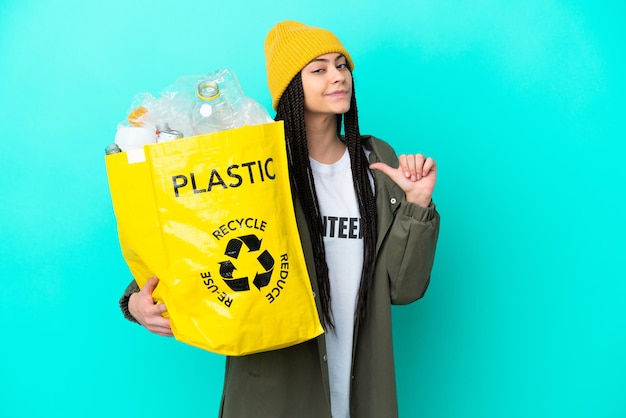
408 233
133 287
410 251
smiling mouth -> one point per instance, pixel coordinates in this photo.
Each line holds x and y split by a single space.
340 93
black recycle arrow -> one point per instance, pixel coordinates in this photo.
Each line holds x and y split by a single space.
252 242
227 268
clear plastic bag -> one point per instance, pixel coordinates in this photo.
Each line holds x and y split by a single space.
181 106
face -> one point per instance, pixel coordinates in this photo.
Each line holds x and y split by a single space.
327 85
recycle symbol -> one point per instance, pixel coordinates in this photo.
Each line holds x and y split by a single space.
233 250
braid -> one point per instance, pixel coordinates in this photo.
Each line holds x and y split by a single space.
290 109
366 200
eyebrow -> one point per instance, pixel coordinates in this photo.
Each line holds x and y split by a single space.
326 60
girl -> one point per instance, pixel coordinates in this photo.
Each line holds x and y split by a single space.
368 229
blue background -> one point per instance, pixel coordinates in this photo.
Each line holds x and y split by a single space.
521 103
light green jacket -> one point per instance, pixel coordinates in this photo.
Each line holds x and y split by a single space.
293 382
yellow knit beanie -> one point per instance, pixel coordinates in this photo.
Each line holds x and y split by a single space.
289 47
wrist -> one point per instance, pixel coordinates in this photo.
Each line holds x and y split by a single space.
421 200
125 305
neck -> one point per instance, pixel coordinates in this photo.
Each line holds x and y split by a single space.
322 141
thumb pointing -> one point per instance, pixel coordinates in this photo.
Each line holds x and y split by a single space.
383 167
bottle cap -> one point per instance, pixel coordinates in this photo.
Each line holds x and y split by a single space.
208 90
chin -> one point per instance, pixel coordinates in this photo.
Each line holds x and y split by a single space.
340 110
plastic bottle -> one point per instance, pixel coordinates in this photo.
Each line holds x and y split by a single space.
218 103
164 133
112 149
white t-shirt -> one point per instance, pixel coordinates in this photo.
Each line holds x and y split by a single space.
344 255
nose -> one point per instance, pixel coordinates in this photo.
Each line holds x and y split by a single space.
336 75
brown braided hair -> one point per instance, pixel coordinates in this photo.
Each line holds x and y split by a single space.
290 109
